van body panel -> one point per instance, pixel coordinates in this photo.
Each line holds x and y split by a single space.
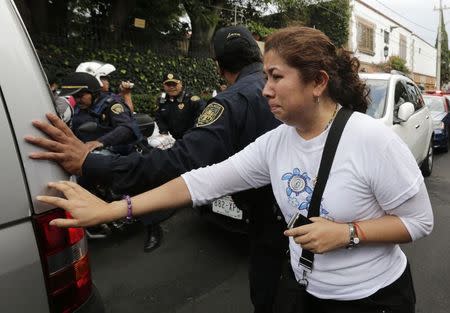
27 97
14 202
22 286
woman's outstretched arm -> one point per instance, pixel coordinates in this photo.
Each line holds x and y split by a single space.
86 209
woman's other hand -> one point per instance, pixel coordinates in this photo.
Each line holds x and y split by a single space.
320 236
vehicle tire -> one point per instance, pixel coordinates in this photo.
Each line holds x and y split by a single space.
427 164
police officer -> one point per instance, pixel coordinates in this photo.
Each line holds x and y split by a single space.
177 109
230 121
115 126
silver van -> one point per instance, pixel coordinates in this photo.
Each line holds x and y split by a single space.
42 268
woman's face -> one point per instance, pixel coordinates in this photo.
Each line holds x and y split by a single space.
288 95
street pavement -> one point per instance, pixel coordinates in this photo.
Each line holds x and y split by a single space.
202 269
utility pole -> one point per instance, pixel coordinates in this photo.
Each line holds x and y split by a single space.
439 44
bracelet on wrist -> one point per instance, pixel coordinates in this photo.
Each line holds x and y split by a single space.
359 232
129 216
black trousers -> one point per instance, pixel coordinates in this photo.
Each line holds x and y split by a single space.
268 248
398 297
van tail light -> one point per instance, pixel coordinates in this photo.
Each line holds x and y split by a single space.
64 255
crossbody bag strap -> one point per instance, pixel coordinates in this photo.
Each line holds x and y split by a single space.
329 150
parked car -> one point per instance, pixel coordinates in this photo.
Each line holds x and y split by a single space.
42 268
439 109
397 102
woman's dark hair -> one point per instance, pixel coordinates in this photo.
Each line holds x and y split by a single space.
311 51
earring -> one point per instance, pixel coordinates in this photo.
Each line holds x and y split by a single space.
316 99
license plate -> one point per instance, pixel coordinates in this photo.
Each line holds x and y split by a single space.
227 207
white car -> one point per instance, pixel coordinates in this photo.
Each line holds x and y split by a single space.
397 102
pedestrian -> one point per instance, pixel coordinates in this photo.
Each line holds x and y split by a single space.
230 121
178 110
375 197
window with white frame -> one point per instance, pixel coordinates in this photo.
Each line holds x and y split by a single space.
386 37
365 35
402 47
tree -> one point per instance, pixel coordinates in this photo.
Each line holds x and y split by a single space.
331 17
445 55
204 16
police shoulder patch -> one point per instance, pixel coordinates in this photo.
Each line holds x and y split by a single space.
117 108
210 114
195 98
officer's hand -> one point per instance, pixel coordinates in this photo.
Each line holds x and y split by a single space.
320 236
62 147
84 208
92 145
125 87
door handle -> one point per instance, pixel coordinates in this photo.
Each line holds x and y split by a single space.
427 117
417 126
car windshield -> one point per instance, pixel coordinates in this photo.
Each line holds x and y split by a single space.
377 97
434 103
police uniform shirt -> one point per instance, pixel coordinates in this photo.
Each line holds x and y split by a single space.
178 115
115 124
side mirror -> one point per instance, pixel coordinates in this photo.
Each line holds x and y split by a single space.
405 111
88 127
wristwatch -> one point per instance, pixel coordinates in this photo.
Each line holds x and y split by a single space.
354 240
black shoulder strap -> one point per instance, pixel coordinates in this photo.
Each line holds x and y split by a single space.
329 150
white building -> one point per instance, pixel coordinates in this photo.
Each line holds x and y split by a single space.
374 37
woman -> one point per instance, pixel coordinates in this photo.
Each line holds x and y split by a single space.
374 186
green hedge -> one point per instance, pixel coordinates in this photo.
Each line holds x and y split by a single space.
143 67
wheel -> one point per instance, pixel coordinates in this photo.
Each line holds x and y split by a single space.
427 164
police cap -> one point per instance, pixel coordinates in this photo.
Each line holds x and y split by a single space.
171 77
78 81
231 40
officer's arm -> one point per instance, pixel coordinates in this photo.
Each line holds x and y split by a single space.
207 144
159 118
124 131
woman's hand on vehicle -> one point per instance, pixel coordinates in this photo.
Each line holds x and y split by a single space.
320 236
85 208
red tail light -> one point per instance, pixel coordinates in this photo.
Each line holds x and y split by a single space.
64 255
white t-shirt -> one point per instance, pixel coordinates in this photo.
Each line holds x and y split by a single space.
373 172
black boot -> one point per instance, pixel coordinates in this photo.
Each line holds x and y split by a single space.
153 237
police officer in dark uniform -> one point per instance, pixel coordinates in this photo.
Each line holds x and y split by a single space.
115 126
177 109
230 121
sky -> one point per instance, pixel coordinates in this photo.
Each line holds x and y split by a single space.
417 15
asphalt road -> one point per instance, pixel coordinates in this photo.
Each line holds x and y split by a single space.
202 269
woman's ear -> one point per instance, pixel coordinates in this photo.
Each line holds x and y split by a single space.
320 83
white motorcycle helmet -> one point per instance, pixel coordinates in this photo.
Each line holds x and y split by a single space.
96 69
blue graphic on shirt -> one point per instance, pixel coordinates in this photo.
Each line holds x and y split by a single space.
299 190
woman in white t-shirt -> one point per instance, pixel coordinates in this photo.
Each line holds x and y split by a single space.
375 191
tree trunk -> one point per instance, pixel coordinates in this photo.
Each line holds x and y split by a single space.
204 19
39 16
58 13
120 10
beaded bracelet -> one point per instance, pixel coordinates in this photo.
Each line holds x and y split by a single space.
129 216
